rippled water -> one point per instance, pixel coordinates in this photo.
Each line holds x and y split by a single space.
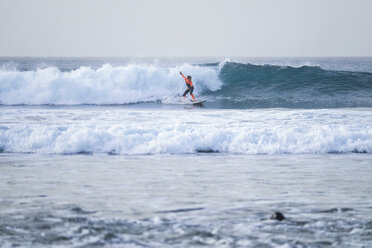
185 200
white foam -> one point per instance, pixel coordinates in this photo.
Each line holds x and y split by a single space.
106 85
180 131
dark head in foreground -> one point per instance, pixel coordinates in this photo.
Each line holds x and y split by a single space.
277 216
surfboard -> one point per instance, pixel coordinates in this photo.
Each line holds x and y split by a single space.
183 101
199 102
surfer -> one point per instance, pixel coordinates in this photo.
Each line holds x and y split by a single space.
190 86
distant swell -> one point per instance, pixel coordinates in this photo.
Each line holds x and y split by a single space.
224 85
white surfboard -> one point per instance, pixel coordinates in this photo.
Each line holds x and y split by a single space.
199 102
182 101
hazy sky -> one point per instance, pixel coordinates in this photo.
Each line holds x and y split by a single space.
186 28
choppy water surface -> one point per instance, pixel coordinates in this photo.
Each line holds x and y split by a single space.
185 200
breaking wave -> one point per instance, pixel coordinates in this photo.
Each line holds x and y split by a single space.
184 132
106 85
224 85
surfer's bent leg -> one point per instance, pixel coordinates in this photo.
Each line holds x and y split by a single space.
191 89
187 91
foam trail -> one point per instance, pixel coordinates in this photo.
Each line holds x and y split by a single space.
106 85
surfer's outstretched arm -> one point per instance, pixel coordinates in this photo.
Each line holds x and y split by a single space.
183 76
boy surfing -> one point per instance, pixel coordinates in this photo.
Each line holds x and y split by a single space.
190 86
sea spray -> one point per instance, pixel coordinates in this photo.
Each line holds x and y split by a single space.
105 85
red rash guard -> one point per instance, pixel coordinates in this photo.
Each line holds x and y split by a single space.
188 82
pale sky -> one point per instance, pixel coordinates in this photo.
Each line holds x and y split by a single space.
186 28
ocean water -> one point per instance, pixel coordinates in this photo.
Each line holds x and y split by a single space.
105 152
